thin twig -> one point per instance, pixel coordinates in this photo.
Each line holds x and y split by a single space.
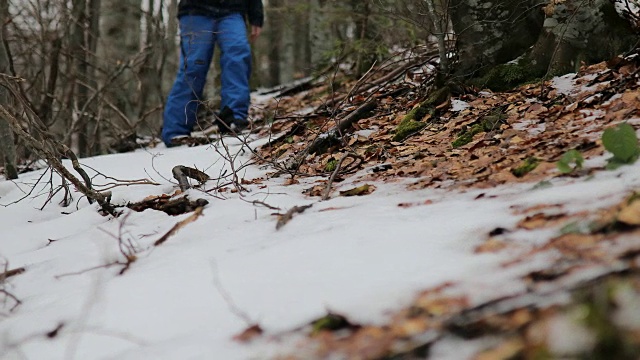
327 190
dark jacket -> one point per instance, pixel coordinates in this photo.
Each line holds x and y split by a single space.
252 9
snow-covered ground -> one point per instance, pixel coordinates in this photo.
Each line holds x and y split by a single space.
359 256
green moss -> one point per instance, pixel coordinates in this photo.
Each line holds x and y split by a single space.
467 136
412 122
488 123
526 167
329 322
331 165
507 76
407 127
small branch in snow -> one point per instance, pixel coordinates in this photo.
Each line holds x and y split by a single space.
9 273
327 190
193 217
12 297
284 219
262 203
233 307
105 266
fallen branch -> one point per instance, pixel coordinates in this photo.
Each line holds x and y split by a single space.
325 140
181 173
9 273
45 148
12 297
193 217
327 190
284 219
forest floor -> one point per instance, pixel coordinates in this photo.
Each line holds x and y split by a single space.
362 219
538 134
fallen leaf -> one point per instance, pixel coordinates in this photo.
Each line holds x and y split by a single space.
359 191
630 213
249 334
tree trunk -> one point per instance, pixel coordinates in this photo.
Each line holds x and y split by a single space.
150 85
320 32
171 41
92 126
275 41
576 32
302 41
79 70
120 42
564 35
7 145
493 32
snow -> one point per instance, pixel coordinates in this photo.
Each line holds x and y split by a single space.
363 257
564 84
458 105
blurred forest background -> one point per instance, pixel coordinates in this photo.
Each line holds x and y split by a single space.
96 72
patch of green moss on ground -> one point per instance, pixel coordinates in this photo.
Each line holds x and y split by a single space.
508 76
526 167
467 136
488 123
331 165
412 122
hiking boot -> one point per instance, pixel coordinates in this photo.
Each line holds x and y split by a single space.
227 123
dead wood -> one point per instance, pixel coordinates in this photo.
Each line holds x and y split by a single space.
46 148
9 273
179 225
322 142
169 205
284 219
181 173
376 83
327 190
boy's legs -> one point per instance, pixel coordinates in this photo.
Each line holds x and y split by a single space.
235 65
197 41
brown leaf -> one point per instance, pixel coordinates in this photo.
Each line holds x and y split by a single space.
492 245
365 189
630 213
249 334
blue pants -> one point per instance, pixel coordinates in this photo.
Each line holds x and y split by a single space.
198 37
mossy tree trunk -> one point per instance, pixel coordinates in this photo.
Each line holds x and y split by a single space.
552 37
493 32
576 31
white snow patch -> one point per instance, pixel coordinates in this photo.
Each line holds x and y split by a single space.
458 105
565 84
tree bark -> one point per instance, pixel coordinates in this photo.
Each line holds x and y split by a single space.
576 32
550 42
493 32
275 34
7 145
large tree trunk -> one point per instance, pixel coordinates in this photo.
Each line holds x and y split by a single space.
576 31
493 32
552 39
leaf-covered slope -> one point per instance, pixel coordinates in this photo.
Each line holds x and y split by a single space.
475 139
576 265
